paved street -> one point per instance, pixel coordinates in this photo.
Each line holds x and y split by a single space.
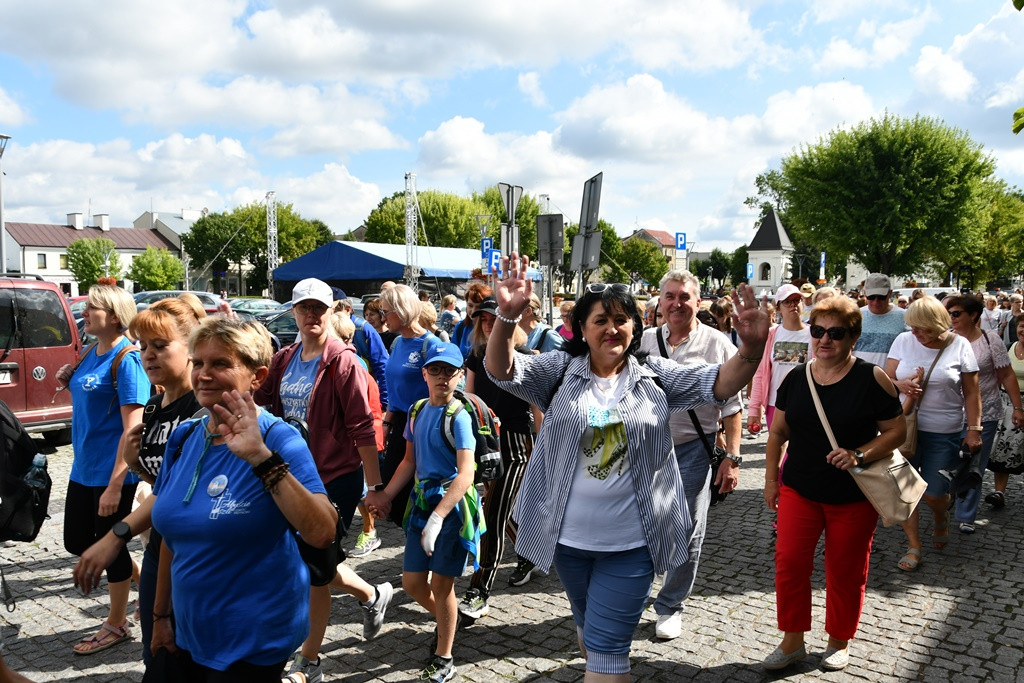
958 618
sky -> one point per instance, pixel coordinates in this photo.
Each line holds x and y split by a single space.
120 106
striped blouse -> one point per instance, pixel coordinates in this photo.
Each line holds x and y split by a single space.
644 408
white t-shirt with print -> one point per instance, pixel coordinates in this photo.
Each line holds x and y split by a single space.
790 348
942 407
601 513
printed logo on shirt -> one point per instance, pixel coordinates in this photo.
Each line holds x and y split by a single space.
90 382
414 359
606 453
789 352
225 505
217 485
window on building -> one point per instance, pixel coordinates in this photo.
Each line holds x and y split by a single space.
766 272
63 261
41 261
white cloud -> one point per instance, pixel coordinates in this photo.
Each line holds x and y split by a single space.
884 43
529 85
941 73
1008 93
11 113
811 111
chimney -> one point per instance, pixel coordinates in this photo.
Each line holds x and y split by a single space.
101 221
75 220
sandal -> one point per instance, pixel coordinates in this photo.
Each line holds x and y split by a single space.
911 560
107 637
940 534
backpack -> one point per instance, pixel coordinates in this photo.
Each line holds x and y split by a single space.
125 350
486 429
23 503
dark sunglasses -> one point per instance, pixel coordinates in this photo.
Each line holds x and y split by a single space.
834 333
878 297
446 371
598 287
956 314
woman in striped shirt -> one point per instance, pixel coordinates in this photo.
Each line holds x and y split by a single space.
601 495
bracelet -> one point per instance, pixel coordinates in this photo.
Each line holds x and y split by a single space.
972 428
158 617
771 481
275 475
386 423
1018 408
747 359
510 321
267 465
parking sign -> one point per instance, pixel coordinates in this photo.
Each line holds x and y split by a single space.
494 260
750 271
486 244
681 241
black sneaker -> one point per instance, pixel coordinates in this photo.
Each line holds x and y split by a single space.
996 499
474 605
521 575
440 670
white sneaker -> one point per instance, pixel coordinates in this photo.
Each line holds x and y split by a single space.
669 626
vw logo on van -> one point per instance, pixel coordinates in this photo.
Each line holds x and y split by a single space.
39 373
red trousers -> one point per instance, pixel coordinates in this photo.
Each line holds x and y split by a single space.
848 529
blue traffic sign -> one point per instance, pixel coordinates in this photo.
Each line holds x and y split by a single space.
493 260
750 271
681 241
486 244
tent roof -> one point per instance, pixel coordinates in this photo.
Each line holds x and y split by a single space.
373 261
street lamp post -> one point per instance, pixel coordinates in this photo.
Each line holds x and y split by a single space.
3 226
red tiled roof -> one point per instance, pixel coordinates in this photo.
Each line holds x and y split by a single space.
664 239
47 235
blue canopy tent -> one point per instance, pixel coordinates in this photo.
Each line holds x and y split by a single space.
357 266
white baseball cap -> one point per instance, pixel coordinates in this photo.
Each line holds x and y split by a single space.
786 291
314 289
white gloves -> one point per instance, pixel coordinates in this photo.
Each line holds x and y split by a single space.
430 532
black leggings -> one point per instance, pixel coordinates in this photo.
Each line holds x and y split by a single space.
498 503
239 672
393 456
83 526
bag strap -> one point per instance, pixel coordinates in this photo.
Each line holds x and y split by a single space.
8 597
661 343
700 433
821 411
924 384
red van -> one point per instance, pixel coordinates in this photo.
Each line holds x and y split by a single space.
37 337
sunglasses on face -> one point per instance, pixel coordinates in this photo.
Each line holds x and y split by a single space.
955 314
445 371
834 333
598 287
878 297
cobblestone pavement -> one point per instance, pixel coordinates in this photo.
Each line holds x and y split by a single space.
958 618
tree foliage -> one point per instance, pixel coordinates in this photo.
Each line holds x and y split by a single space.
88 260
643 261
894 193
738 265
156 269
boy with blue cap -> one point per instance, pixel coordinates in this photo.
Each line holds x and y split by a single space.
444 519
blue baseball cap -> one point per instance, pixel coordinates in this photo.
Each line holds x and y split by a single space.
445 352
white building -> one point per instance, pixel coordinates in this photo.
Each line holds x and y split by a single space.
771 253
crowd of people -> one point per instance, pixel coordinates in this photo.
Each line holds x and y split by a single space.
244 469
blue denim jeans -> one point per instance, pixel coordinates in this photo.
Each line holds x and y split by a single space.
967 507
607 592
695 470
936 451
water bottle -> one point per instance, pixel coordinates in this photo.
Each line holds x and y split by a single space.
36 476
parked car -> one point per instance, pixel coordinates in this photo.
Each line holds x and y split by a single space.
264 316
77 305
37 336
254 306
282 326
211 302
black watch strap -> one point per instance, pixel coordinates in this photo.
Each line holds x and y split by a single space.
270 463
122 531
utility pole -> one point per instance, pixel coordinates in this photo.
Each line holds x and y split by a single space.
271 243
412 267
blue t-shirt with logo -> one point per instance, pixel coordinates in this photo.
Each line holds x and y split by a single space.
434 460
405 381
97 427
241 590
297 385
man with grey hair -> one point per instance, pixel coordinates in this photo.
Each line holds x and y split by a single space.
685 340
882 322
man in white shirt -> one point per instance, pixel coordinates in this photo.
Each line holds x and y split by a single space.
882 322
684 339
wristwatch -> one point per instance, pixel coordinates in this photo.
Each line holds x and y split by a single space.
859 454
376 487
736 458
122 531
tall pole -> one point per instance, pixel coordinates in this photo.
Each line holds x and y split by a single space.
3 226
271 244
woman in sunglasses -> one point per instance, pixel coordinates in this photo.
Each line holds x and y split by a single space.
601 497
815 492
994 371
948 391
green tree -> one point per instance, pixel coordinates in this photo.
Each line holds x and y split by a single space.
894 193
296 236
445 220
609 262
213 244
89 259
156 269
526 217
738 265
643 262
720 264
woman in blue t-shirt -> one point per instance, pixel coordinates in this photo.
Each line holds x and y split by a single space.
108 390
400 308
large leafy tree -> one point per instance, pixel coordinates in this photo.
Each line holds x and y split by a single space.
738 265
445 220
156 269
526 217
213 244
643 262
895 193
89 259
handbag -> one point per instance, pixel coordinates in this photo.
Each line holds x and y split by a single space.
716 454
892 485
909 447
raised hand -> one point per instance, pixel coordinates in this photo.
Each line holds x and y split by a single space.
513 293
238 423
750 321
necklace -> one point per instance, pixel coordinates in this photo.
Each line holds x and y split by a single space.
835 372
1018 351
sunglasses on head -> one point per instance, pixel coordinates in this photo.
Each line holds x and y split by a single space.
877 297
598 287
834 333
446 371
